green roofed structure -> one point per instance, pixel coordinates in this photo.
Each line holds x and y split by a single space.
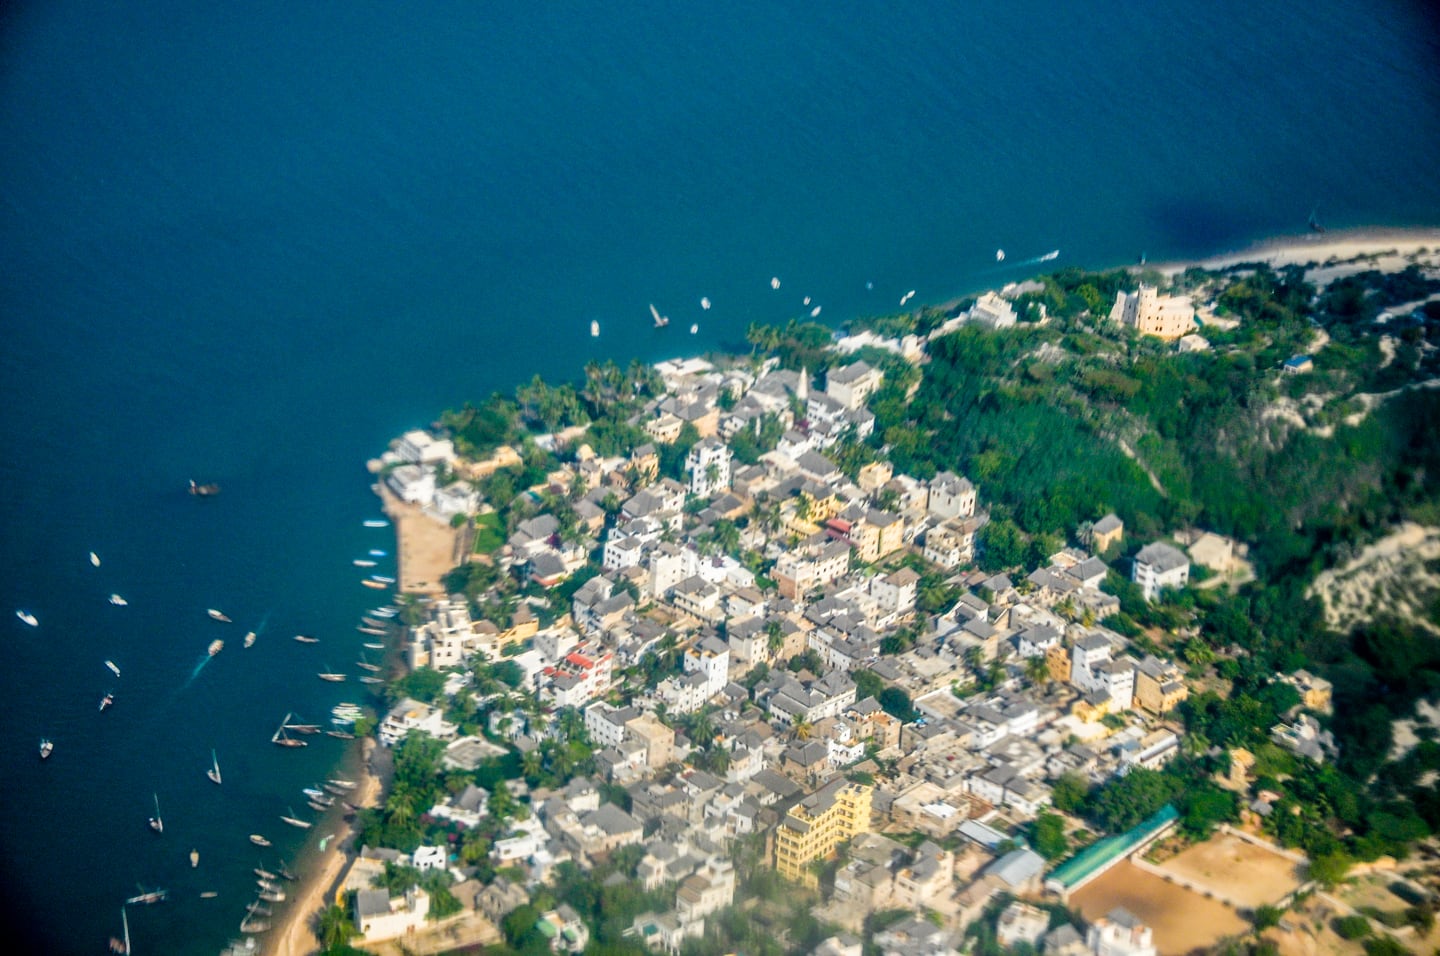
1105 853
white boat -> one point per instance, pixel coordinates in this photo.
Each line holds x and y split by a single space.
342 783
107 700
332 677
118 601
28 618
215 647
694 329
377 553
999 255
383 579
907 297
157 824
377 585
815 311
94 559
367 679
363 563
307 639
704 303
296 821
259 840
375 523
594 328
805 301
250 639
774 282
214 772
660 320
217 616
47 747
194 858
113 669
374 646
1053 254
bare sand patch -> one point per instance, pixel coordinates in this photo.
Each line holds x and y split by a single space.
1182 921
424 548
1242 871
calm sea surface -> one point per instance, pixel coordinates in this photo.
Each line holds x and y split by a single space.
248 243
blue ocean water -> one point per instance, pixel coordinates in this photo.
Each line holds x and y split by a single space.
248 243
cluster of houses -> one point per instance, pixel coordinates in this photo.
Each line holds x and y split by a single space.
1012 687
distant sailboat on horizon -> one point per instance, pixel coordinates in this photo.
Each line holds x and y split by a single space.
214 772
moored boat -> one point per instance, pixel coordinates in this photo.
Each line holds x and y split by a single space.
205 490
295 821
280 738
265 874
215 647
374 646
376 523
151 896
317 806
258 908
218 616
377 553
259 840
113 669
363 563
107 700
373 668
377 585
47 747
273 896
307 639
382 578
157 824
368 679
209 895
250 639
285 872
194 859
214 772
343 735
94 559
267 884
28 618
342 783
251 925
371 622
118 601
303 728
337 791
332 676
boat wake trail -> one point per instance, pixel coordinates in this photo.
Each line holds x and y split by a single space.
196 672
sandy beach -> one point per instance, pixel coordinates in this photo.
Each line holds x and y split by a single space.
294 934
425 549
1333 252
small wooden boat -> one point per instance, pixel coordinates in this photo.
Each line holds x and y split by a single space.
107 700
207 490
318 807
372 631
332 676
265 874
209 895
377 585
371 680
342 783
303 728
371 622
252 925
285 872
216 647
218 616
295 821
307 639
374 647
259 840
258 908
343 735
273 896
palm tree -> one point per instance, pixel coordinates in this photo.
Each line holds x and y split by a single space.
530 762
1037 670
803 729
335 927
410 610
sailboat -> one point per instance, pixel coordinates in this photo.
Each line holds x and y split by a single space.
332 676
295 821
156 823
280 739
122 946
660 320
214 772
94 559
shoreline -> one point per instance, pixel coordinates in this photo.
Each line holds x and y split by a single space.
294 936
1320 249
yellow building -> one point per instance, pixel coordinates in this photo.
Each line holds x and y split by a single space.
1159 685
813 828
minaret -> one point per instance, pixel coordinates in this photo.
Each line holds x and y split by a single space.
802 391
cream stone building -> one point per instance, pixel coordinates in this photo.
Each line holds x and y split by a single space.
1149 313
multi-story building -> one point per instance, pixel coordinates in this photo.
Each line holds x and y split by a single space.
1149 313
816 825
951 496
1159 566
853 384
578 677
808 567
1159 685
709 466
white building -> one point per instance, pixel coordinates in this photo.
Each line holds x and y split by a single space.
993 311
411 715
419 447
379 917
1120 933
1159 566
951 496
709 466
853 384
